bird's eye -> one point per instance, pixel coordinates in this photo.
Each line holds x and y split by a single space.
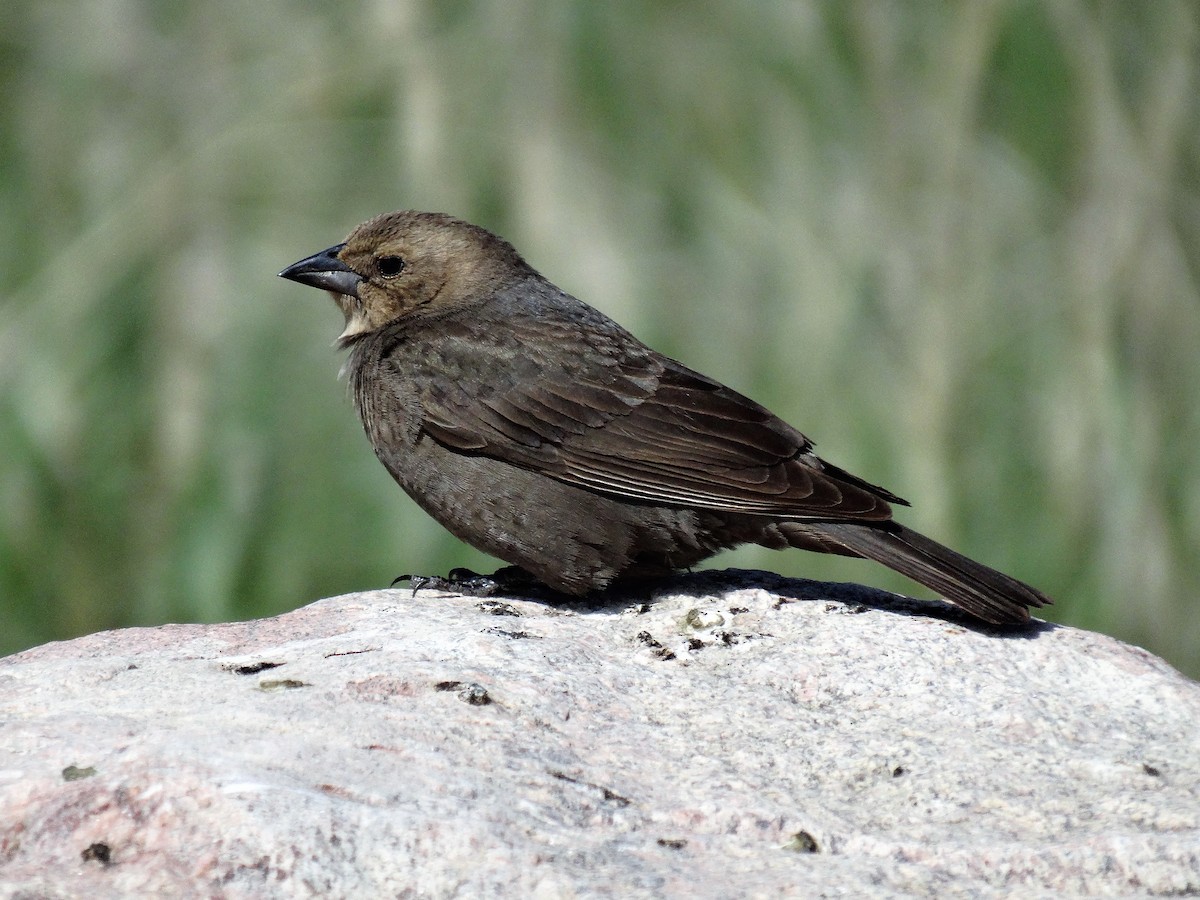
390 266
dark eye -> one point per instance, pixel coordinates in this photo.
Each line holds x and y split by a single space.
390 266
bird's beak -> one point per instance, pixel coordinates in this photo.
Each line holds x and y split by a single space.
325 271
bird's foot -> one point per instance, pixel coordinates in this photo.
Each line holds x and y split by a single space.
508 579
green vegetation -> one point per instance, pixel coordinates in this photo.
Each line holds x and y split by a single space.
956 243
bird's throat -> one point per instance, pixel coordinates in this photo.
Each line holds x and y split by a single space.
357 321
356 324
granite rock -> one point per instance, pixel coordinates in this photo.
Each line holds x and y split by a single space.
722 734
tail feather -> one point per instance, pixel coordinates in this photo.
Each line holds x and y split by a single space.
978 589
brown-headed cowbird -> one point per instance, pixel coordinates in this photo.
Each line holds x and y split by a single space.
540 431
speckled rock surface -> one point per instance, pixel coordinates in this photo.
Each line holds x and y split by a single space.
737 735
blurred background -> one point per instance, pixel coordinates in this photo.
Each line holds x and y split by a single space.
957 244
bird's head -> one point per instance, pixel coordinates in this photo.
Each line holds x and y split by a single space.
409 263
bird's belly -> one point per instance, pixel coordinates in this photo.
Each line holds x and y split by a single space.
572 539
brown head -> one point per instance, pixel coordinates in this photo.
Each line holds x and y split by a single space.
409 263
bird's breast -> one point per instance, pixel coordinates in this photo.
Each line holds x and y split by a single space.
387 405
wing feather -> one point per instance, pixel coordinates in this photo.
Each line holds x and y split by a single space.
606 413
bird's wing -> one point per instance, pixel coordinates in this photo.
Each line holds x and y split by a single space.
603 412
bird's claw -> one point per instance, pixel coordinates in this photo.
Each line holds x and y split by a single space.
457 581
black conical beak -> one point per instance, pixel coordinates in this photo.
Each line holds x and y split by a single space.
325 271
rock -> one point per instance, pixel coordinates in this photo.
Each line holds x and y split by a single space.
735 734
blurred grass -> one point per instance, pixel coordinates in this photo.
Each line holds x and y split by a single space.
956 243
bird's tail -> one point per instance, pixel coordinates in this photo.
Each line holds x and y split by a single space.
978 589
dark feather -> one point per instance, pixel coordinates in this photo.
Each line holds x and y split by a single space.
637 425
979 589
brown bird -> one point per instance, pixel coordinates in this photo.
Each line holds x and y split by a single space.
540 431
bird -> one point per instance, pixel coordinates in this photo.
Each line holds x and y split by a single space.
535 428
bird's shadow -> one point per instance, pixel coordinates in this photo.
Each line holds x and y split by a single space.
511 583
851 596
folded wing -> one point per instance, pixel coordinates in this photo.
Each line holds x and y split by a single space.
622 420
